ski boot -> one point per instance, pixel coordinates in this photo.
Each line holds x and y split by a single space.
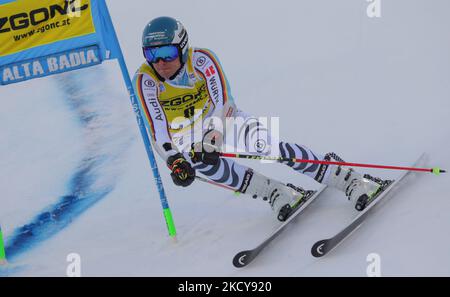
361 189
367 198
282 198
287 204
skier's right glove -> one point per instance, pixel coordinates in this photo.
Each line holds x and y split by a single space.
182 172
198 153
207 151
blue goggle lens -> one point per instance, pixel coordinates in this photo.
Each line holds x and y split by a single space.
167 53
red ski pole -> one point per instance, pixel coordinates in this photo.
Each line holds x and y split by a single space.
435 170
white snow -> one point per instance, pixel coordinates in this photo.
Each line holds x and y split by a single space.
372 90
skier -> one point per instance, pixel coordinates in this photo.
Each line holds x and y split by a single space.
179 86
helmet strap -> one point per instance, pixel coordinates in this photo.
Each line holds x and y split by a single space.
178 71
180 56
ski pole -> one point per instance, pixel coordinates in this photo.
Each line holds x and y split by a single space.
435 170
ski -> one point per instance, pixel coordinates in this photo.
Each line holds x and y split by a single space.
323 247
243 258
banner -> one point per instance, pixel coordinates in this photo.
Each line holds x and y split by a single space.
40 38
25 24
44 37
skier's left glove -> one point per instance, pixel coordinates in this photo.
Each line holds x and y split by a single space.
182 172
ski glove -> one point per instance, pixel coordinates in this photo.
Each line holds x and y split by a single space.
207 151
208 156
182 172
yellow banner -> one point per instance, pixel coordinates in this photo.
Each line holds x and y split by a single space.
25 24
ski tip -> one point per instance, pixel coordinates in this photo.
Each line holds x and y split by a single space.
318 249
241 259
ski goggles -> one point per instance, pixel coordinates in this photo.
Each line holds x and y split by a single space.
167 53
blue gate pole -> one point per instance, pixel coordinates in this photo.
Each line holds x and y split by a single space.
154 166
2 249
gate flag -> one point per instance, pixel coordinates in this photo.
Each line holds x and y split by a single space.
44 37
